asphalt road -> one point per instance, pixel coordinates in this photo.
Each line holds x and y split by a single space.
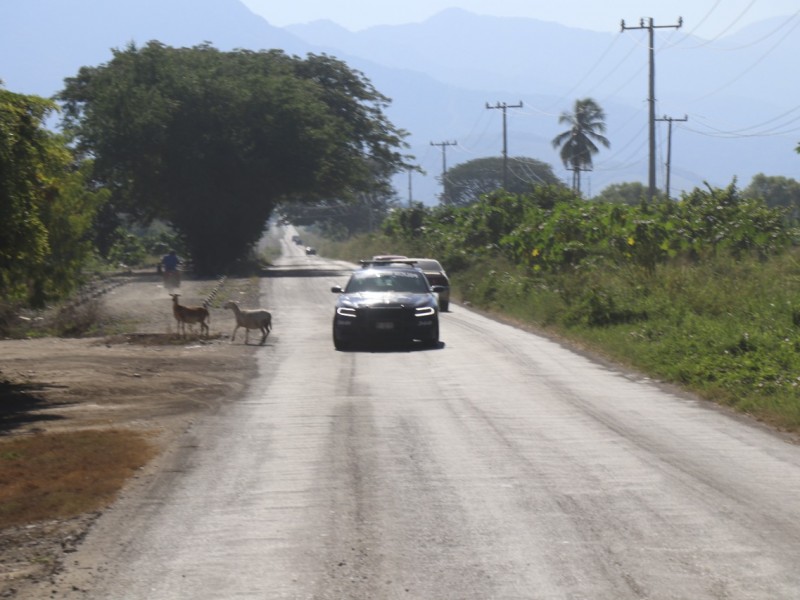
498 466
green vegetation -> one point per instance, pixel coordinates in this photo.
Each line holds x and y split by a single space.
704 292
46 205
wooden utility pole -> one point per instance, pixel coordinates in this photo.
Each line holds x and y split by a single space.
445 190
651 191
669 146
504 107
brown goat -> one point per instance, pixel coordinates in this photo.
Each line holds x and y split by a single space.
190 315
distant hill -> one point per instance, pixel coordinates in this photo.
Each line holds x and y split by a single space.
739 92
44 41
528 56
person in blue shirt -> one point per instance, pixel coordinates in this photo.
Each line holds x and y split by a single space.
170 262
169 267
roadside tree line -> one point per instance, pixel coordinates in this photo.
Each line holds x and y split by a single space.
551 229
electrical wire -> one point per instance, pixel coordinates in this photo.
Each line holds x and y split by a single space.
724 31
750 44
588 72
703 19
752 66
774 132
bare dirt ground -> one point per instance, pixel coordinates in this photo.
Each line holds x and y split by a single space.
143 376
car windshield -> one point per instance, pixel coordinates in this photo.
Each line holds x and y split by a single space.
382 281
428 265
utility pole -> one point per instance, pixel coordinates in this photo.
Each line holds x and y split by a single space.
504 107
669 145
410 196
651 192
445 191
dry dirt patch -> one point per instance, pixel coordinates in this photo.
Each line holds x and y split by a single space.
147 379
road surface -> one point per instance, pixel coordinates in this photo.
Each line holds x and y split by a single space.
498 466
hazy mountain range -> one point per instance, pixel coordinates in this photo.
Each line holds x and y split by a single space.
739 93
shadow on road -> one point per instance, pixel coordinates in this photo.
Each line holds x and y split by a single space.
394 347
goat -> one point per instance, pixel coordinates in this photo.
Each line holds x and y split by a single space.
257 318
191 315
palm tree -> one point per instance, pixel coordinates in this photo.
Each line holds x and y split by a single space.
587 124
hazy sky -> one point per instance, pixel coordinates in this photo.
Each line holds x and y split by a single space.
705 18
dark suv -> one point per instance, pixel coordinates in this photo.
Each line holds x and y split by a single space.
386 301
436 275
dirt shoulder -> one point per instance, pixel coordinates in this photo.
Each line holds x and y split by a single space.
141 375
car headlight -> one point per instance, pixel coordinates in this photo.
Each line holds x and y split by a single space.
346 311
424 311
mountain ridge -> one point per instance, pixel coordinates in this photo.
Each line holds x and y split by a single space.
440 74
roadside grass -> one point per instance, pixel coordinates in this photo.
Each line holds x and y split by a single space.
61 475
726 329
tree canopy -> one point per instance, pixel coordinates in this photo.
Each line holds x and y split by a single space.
776 191
629 192
212 141
468 181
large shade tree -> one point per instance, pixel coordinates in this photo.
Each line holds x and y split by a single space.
578 144
467 182
212 141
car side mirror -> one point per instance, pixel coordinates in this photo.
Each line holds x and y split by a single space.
337 289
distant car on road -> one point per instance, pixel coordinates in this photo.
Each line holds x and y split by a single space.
310 250
386 301
436 275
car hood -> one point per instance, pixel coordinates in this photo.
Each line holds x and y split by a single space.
378 299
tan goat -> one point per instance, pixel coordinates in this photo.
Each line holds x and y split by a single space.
190 315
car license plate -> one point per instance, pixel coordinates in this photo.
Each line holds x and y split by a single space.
384 325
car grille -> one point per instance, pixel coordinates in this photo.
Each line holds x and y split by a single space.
385 313
386 319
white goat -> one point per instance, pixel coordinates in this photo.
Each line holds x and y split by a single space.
256 318
191 315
